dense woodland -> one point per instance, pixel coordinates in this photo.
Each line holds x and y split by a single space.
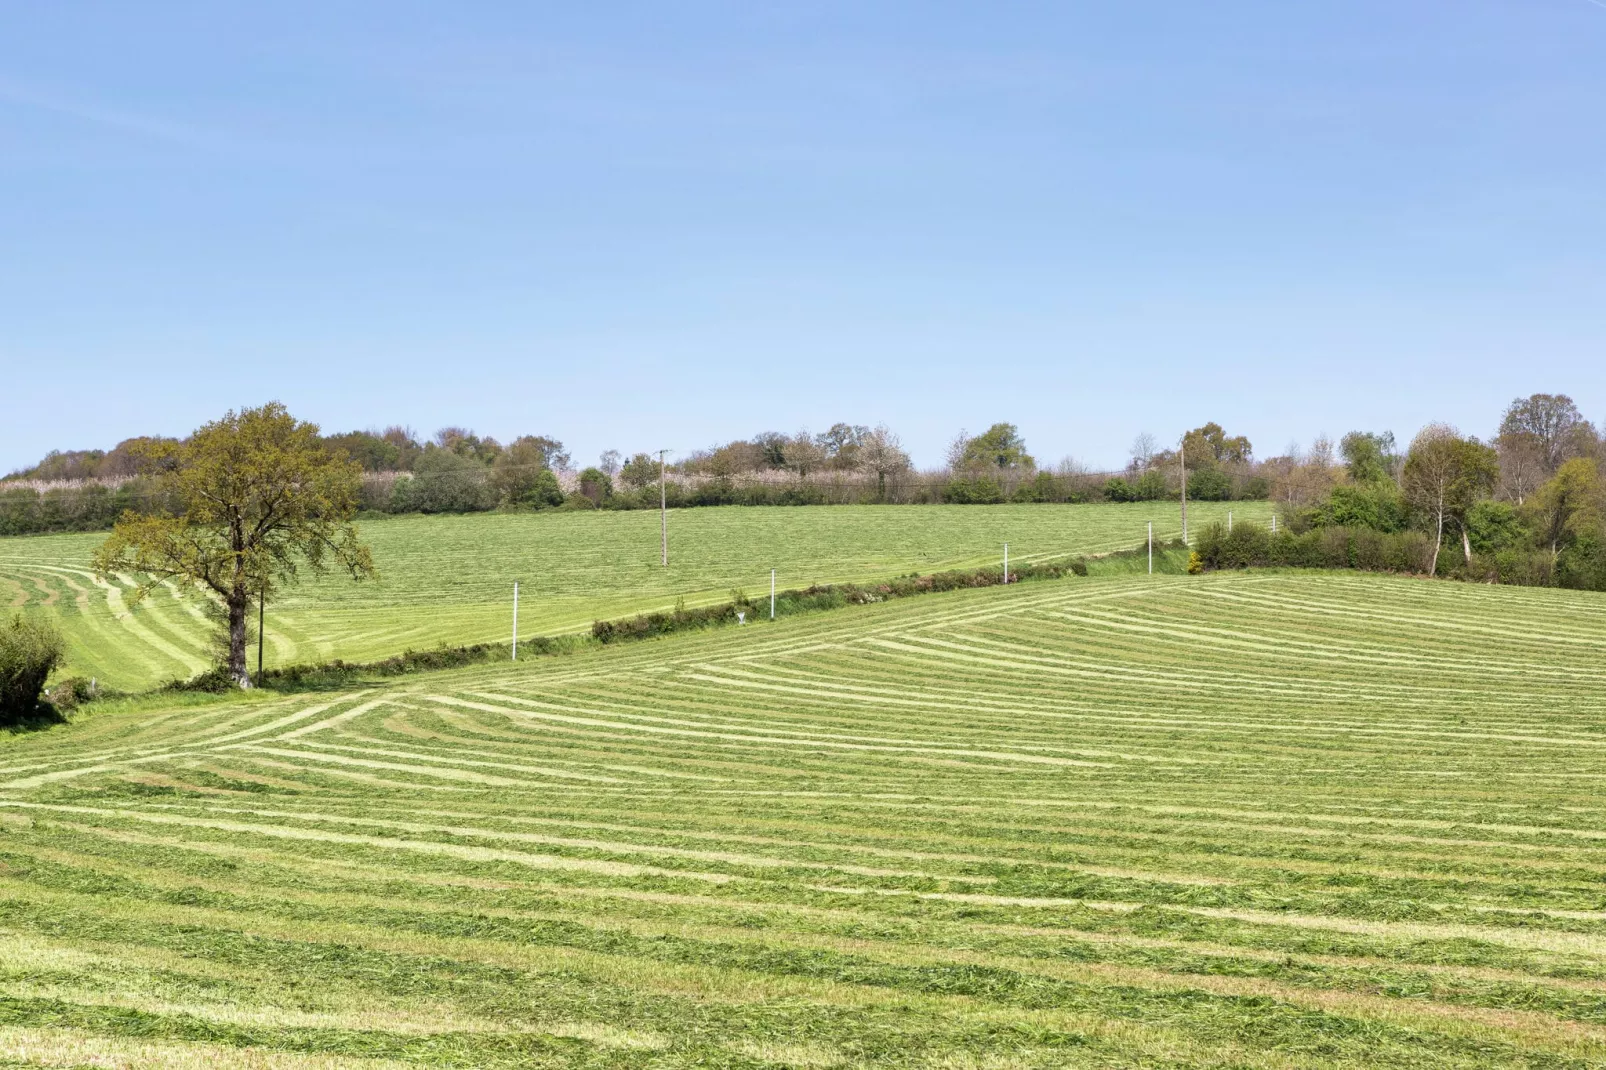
1526 505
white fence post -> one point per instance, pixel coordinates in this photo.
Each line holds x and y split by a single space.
515 620
772 594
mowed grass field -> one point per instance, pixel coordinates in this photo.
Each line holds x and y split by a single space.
449 579
1234 820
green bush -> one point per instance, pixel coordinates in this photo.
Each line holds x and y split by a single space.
1209 485
1252 546
1255 489
1495 526
30 648
1150 487
1371 505
443 482
1041 488
1582 566
975 490
1117 489
67 695
545 492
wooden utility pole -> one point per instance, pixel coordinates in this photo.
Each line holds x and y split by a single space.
663 506
1182 461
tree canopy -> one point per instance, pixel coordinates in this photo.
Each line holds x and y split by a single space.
256 497
1547 422
1210 445
999 447
1369 457
1444 476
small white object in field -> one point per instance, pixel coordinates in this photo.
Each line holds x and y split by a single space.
741 617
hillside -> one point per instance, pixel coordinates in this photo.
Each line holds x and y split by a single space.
1246 819
449 579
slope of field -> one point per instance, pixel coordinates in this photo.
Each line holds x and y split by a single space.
1246 820
449 579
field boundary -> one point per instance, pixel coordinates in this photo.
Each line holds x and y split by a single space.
740 610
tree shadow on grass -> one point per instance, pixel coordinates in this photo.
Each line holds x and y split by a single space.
42 717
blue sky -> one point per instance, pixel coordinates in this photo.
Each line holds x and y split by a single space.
644 225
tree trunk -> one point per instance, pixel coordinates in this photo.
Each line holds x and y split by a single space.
238 606
1438 540
881 486
1466 543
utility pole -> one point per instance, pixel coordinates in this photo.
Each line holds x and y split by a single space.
515 620
663 505
262 615
1182 460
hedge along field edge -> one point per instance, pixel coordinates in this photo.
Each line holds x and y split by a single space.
1170 558
449 579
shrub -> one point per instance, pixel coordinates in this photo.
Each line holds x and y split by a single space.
1245 546
30 649
19 511
1250 545
443 482
1523 568
1117 489
1209 485
1493 527
1150 487
1375 505
1409 551
69 694
1582 566
544 492
1043 487
973 490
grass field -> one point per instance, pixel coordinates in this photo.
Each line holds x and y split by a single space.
449 579
1241 819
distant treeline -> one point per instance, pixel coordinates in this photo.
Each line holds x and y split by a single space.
457 471
1527 507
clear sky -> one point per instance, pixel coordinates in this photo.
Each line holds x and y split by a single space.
642 225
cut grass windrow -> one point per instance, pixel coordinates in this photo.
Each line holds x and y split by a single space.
1245 819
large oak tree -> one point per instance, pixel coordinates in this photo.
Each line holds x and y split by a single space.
252 499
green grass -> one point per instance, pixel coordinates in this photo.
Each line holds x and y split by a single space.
1234 820
449 579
